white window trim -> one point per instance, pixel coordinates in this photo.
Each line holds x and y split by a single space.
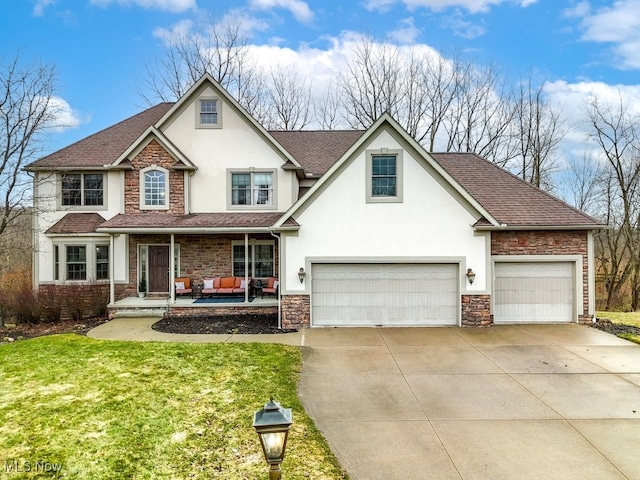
399 179
218 111
167 187
252 171
90 208
252 243
91 260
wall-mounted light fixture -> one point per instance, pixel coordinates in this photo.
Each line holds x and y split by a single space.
470 276
301 274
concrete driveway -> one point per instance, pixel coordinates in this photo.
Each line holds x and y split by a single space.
506 402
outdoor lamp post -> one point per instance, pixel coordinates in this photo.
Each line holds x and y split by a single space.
272 426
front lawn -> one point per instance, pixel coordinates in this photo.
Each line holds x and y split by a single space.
623 318
126 410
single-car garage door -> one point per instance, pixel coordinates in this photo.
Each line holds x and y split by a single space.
533 292
384 294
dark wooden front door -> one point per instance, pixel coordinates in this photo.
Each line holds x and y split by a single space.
158 268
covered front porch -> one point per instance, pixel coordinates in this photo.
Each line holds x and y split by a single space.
160 251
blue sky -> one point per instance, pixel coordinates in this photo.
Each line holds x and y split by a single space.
100 46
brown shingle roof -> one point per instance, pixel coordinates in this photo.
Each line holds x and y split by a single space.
76 223
316 150
193 220
106 146
509 199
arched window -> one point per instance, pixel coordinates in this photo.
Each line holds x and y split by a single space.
154 186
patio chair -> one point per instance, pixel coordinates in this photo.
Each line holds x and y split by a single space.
271 288
183 286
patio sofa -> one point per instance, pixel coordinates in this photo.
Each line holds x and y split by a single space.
224 285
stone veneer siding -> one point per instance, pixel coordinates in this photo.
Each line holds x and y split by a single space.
296 311
153 154
476 311
570 242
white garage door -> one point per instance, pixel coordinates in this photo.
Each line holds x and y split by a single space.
533 292
384 294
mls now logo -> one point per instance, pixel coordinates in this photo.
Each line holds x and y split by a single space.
18 466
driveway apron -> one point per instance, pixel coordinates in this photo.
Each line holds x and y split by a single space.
506 402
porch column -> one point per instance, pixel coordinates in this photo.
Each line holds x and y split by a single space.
112 269
246 268
172 269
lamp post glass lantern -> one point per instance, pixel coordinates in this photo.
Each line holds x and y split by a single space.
272 426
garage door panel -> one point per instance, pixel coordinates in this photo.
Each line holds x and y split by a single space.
534 292
385 294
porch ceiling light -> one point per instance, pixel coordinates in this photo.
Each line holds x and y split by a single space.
301 274
272 426
470 276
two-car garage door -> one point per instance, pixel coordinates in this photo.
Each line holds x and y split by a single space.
384 294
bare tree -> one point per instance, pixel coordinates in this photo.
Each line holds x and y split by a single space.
28 109
289 99
581 184
480 119
218 48
616 132
372 83
539 130
327 108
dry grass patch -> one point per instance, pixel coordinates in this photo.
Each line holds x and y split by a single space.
126 410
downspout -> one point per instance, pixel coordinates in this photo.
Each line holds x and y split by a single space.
277 237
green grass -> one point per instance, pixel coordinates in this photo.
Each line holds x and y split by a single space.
623 318
129 410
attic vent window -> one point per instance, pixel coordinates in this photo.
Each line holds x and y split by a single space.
208 113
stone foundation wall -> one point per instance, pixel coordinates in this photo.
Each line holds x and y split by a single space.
76 301
476 311
296 311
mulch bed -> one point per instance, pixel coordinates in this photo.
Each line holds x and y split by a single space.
606 325
32 330
227 324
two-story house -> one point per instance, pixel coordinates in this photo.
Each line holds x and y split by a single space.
359 228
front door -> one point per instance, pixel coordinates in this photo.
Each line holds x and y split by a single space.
159 268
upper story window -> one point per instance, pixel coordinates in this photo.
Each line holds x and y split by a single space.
208 113
82 189
252 189
154 186
384 176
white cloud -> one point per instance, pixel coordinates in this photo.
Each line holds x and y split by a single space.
463 28
299 9
570 100
618 25
472 6
40 5
173 6
65 117
580 9
407 32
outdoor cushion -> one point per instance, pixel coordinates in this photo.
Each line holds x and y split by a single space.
228 282
179 285
208 284
216 282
